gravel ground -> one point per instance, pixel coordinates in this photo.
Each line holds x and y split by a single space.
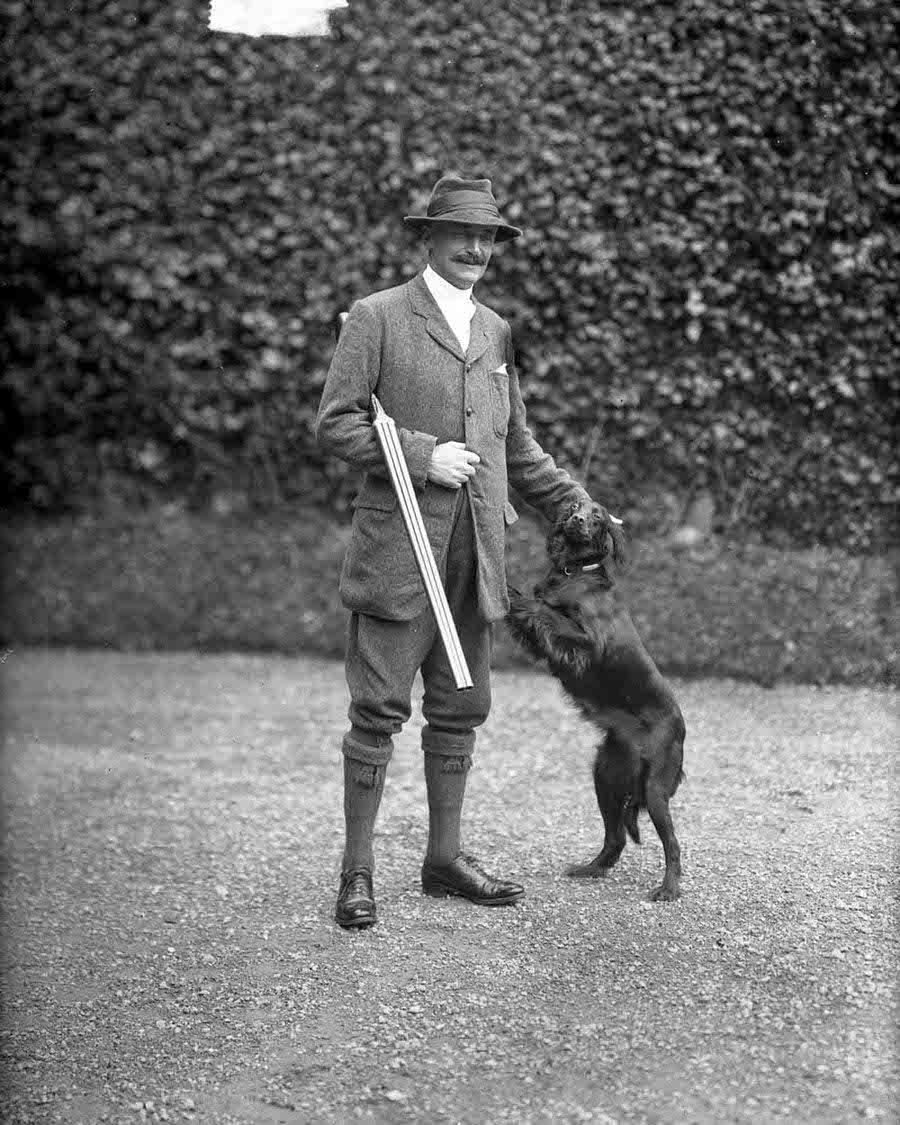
172 832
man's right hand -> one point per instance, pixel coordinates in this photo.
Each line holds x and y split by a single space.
452 464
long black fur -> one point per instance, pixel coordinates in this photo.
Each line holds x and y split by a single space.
577 621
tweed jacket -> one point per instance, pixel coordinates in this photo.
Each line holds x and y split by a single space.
398 345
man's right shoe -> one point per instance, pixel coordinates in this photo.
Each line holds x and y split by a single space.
356 901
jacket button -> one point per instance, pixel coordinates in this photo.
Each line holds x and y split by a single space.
469 411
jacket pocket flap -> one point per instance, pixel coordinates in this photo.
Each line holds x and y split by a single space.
376 494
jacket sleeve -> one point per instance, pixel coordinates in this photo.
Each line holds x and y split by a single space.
532 472
343 423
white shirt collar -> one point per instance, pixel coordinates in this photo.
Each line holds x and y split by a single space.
443 292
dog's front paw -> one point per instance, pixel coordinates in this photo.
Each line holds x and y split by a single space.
520 605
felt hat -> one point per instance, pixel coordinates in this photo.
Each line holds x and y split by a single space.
454 200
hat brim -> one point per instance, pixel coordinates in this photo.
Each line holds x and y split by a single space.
503 231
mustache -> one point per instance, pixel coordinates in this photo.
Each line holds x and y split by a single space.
469 258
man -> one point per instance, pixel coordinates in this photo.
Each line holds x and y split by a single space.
441 365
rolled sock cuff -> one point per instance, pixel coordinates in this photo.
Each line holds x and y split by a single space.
448 744
358 751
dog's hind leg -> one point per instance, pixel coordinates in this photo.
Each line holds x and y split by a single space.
658 808
664 756
613 845
613 809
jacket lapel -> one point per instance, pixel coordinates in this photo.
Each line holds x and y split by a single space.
478 335
424 305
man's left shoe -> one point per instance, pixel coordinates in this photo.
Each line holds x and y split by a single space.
464 876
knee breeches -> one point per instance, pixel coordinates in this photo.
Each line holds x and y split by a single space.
383 658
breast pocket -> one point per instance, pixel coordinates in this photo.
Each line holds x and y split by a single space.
499 381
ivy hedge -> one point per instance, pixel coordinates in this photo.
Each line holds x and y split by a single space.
706 295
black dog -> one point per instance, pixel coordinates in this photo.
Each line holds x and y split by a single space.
578 622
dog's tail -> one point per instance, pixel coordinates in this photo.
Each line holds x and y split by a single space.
631 822
636 802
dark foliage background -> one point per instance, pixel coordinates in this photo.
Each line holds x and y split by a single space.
706 295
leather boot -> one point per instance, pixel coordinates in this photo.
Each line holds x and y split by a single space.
356 900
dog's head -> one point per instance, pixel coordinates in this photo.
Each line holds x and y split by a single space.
586 539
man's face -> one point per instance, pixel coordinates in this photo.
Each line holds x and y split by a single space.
460 252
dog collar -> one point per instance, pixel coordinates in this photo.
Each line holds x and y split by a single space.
585 566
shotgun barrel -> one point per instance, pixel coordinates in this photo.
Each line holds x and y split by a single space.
389 441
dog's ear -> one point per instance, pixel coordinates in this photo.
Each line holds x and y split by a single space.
610 537
618 543
599 516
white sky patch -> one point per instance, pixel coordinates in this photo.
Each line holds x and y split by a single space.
272 17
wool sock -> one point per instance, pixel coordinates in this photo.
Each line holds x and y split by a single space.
363 786
445 784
